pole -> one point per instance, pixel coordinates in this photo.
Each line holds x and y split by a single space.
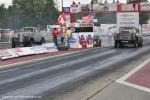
62 2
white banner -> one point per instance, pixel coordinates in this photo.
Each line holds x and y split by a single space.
128 19
74 40
38 49
7 54
23 51
145 6
50 47
146 29
88 37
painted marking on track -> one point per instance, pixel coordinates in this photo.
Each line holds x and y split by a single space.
123 79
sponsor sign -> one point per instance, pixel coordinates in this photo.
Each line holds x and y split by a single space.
128 7
74 40
145 6
85 8
105 7
146 29
38 49
66 9
88 37
129 19
50 47
7 54
23 51
75 9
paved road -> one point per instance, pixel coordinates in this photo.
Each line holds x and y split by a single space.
53 77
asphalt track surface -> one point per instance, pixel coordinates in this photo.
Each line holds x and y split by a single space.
45 80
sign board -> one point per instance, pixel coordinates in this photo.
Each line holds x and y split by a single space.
7 54
75 9
129 19
50 47
66 9
88 36
128 7
38 49
74 40
50 27
105 7
23 51
145 6
146 29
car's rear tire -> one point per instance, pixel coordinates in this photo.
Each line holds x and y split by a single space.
135 44
116 44
42 41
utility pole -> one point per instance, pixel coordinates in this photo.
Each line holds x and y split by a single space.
62 4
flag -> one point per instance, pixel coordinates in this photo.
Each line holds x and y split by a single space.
87 19
61 20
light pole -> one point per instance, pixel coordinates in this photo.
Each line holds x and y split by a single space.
62 4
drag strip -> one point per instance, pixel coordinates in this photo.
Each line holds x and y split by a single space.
51 76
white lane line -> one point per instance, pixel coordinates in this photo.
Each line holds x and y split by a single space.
123 79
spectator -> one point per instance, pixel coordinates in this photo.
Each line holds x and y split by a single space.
63 34
68 35
55 34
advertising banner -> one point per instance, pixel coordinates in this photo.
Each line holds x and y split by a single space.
75 9
145 6
129 19
85 40
105 7
66 9
23 51
50 47
85 8
38 49
128 7
7 54
146 30
74 40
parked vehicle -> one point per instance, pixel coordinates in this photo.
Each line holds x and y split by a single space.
128 35
29 36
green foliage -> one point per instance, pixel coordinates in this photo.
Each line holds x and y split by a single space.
29 13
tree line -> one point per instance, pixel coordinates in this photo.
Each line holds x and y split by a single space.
24 13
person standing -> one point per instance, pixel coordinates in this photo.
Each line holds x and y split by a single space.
68 35
63 29
55 34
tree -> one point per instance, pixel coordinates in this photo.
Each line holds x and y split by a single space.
3 16
32 13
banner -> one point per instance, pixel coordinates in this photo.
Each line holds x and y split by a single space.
105 7
66 9
7 54
23 51
85 40
145 6
75 9
74 40
85 7
128 7
146 30
38 49
128 19
50 47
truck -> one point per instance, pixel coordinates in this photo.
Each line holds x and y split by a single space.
27 36
128 35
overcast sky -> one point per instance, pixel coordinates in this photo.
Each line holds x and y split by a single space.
66 2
